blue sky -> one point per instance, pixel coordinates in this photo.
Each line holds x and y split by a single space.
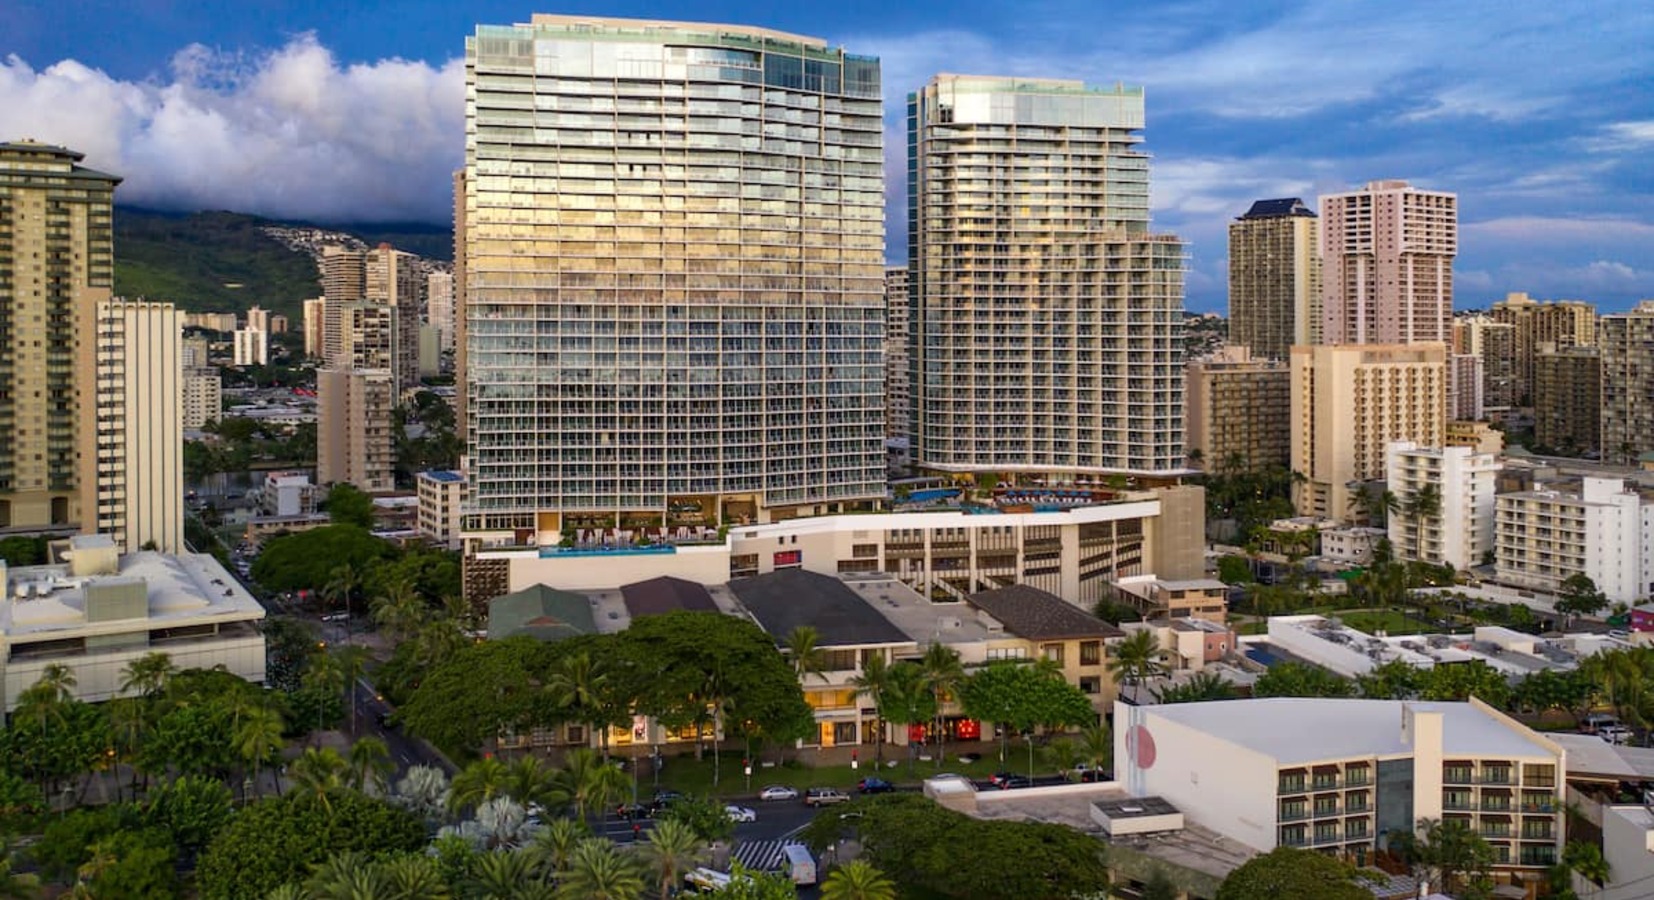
1540 115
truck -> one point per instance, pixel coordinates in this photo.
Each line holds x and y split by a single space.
798 864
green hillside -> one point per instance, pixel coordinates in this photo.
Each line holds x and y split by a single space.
209 262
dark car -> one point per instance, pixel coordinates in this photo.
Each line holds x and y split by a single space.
662 800
998 777
872 785
1013 781
632 811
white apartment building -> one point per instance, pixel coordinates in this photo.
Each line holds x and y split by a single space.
440 496
287 494
203 396
1337 775
252 347
137 453
1543 536
1462 531
100 610
1351 544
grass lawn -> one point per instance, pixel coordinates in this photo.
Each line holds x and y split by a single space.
1373 620
686 774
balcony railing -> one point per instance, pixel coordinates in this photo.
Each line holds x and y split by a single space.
1293 785
1458 776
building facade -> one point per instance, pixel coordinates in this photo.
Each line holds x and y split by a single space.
898 393
56 227
344 274
439 303
1560 323
1544 536
1459 532
1567 399
258 319
1239 413
222 322
252 348
1275 278
135 463
1464 387
1627 343
1047 319
1494 343
698 317
315 321
1339 776
440 496
1387 264
1348 404
353 428
203 396
394 279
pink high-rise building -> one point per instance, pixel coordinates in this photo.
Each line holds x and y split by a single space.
1387 264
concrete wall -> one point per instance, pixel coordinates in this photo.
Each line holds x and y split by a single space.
1219 785
98 675
593 572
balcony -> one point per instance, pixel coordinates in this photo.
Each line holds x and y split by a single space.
1324 783
1294 813
1293 785
1458 776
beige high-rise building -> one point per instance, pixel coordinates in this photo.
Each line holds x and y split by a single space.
1464 387
673 278
1495 343
1567 399
224 322
1275 278
461 373
1349 403
315 322
364 336
898 397
1048 319
1387 264
344 274
57 263
1559 323
252 348
1627 342
259 320
135 478
353 428
278 323
394 279
439 303
1239 413
203 396
197 352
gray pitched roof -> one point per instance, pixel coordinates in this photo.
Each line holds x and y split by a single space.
1274 209
666 594
1037 615
782 601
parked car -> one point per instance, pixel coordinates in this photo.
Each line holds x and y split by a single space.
1620 633
1594 722
819 796
1615 734
872 785
778 792
998 777
741 813
632 811
1014 781
662 800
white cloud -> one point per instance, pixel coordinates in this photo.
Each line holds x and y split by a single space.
1621 136
288 133
1540 229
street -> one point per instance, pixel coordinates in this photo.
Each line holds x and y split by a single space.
406 751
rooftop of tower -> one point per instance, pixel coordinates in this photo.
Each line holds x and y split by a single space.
594 26
1021 85
1274 209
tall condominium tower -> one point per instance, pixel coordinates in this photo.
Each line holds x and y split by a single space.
394 278
1627 344
1047 320
56 261
439 303
1540 325
344 273
354 443
673 275
1387 264
1275 278
898 399
1567 399
136 476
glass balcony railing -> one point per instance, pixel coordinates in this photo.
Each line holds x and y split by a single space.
1458 776
1293 785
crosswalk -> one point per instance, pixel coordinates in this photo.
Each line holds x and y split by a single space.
760 856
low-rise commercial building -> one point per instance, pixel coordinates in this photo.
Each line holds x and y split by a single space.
1340 775
1057 631
1188 644
287 493
98 611
1200 598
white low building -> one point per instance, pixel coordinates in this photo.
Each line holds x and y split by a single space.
1338 775
98 611
1351 545
1544 536
1461 531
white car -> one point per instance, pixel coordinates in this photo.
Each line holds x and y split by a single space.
1615 734
778 792
741 814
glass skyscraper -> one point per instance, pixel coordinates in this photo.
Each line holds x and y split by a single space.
1047 321
673 263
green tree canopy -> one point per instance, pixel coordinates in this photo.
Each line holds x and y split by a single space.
308 560
1287 873
1296 679
1579 596
1024 697
347 505
478 692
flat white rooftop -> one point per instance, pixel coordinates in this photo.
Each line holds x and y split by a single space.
1300 731
184 588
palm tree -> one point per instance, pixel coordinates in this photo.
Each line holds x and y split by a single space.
1424 503
907 700
804 652
147 675
673 849
507 875
399 611
320 772
1136 659
257 739
1204 686
128 717
1097 746
590 783
1586 859
349 875
323 676
56 683
15 885
873 681
554 846
528 780
581 685
341 586
599 871
945 675
858 880
353 661
370 764
415 876
477 783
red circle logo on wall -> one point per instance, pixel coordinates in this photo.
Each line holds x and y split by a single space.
1140 747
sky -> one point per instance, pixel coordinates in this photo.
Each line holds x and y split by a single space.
1539 115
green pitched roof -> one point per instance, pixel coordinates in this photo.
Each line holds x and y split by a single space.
540 612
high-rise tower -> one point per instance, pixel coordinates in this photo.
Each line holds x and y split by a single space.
1047 319
1387 264
1275 278
672 275
56 261
138 401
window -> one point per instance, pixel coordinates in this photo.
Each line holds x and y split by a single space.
1091 653
1053 652
1091 684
